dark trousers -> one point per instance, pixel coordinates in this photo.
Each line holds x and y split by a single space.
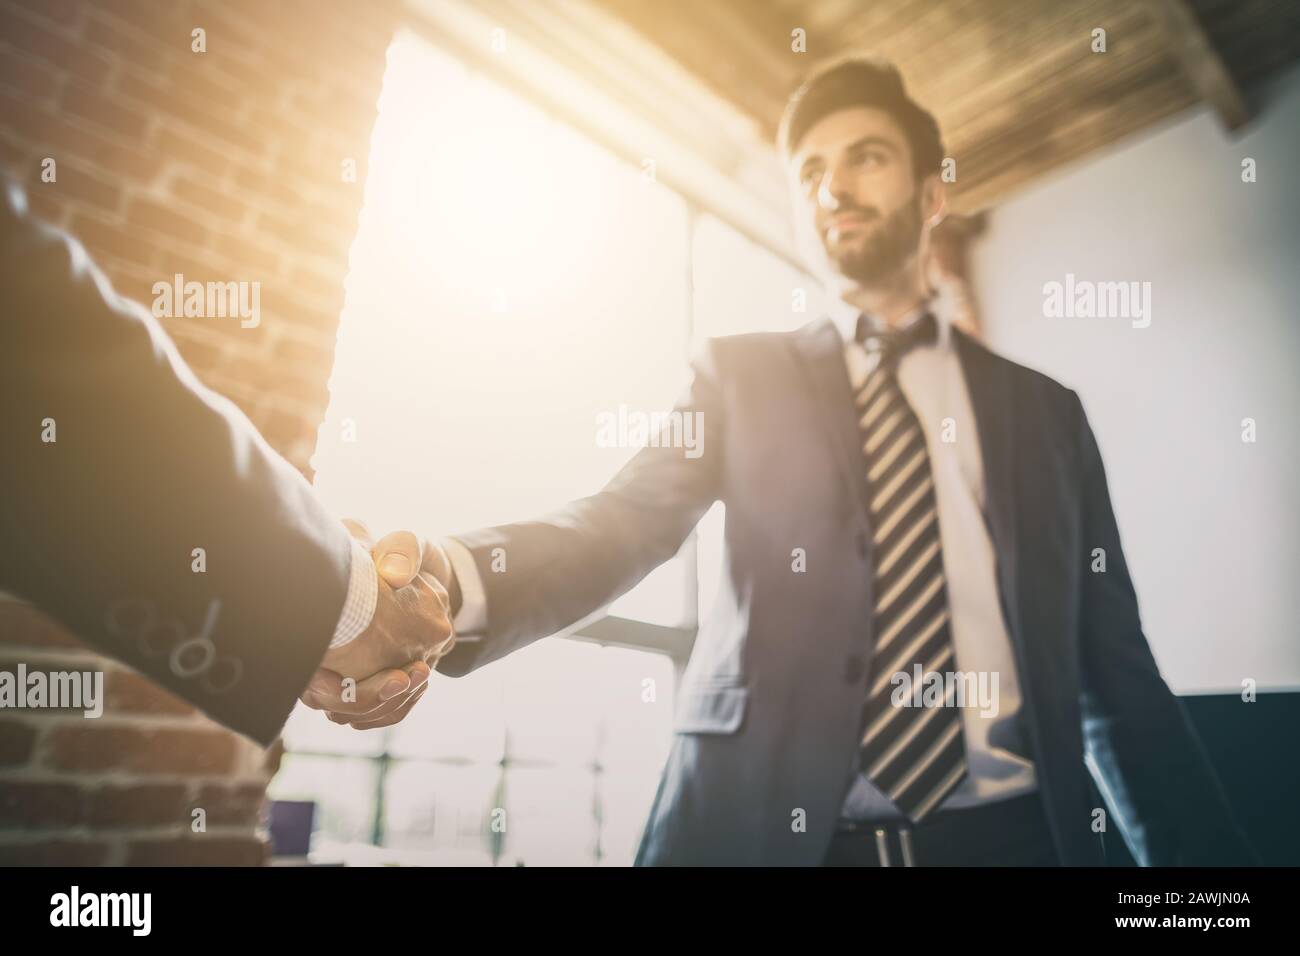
1012 832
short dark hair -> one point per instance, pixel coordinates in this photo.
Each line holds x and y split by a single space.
861 81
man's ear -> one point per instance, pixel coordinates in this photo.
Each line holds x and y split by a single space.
934 200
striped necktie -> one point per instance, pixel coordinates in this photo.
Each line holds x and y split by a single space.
914 755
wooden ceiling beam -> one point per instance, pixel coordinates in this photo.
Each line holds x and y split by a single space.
1190 45
995 179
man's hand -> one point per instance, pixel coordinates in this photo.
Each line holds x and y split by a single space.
397 552
376 679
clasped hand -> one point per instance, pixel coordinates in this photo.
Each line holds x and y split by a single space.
376 679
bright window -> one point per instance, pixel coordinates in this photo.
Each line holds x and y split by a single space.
510 280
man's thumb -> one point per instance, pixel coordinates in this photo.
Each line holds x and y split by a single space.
397 556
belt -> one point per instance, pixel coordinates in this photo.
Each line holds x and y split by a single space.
1011 830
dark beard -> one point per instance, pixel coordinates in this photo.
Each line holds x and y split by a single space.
885 250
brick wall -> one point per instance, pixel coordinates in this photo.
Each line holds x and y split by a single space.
223 165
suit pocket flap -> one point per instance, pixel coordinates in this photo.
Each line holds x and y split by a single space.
711 710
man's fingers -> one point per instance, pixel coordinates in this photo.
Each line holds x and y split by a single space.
323 687
418 672
397 555
436 562
359 531
368 723
345 695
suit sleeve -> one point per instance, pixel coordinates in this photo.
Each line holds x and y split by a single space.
539 577
120 465
1141 746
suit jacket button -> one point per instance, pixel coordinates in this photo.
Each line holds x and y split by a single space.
853 667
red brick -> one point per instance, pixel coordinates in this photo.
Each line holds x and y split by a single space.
15 154
304 355
200 355
201 85
79 185
258 259
302 159
189 101
38 39
287 426
144 87
138 287
301 315
112 35
34 804
182 146
138 805
86 748
307 234
261 78
199 851
52 135
210 200
17 741
26 74
47 207
226 27
356 39
322 285
55 852
324 106
231 805
92 106
126 692
62 13
166 221
267 188
194 267
24 117
105 239
169 24
246 396
287 383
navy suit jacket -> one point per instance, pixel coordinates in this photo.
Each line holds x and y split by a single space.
98 527
767 723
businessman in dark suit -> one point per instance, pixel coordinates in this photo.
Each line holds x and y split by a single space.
912 660
118 463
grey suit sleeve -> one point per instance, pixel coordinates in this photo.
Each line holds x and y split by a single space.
1142 748
541 576
98 527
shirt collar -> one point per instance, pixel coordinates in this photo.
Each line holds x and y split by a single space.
845 317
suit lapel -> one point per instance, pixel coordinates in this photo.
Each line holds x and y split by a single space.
1033 574
820 352
990 395
1027 582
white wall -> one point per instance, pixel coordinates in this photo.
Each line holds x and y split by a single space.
1210 525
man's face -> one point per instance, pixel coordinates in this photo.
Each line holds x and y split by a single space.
855 193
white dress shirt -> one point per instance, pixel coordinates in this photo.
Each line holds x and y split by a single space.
931 378
363 593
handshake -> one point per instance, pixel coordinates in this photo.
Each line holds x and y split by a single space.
375 679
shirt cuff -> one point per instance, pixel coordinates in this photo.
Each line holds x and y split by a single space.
472 616
363 592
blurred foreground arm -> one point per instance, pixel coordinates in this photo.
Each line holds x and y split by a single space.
119 466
